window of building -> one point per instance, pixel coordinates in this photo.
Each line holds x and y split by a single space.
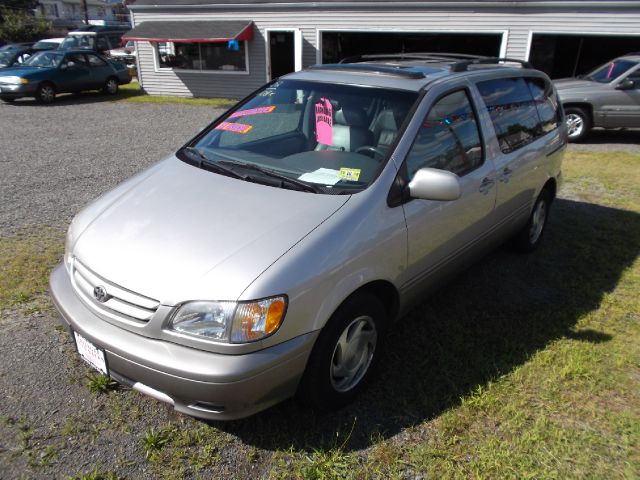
512 111
202 56
449 138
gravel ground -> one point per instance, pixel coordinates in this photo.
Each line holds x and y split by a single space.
53 161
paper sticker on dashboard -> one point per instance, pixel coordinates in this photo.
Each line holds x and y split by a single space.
253 111
234 127
324 122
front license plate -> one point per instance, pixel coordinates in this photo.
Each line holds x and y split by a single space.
91 354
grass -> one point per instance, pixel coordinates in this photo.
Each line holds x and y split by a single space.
100 383
525 366
132 93
26 259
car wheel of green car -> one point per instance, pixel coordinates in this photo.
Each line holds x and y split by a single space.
110 86
46 93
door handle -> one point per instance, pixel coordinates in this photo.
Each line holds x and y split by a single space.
506 175
486 185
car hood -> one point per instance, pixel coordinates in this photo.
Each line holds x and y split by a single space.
575 83
24 71
182 233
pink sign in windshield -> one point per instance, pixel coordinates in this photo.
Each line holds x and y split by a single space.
324 122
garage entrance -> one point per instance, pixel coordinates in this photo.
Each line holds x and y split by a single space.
339 45
562 55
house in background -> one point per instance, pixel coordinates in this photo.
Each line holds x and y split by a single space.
228 48
69 14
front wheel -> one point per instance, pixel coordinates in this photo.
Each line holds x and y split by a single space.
7 99
46 93
528 239
345 354
578 123
110 86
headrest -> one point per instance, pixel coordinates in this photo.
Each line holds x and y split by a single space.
386 121
352 117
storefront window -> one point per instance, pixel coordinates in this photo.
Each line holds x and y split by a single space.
202 56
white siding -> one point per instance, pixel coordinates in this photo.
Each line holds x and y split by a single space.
517 22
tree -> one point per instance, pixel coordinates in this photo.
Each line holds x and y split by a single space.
19 26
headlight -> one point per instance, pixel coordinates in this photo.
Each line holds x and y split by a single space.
230 322
14 80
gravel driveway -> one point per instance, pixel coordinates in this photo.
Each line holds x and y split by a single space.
56 159
53 161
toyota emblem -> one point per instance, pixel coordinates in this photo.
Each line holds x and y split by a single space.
100 294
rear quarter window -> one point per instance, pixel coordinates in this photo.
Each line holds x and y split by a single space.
512 110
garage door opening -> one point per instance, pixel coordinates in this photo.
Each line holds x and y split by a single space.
339 45
561 55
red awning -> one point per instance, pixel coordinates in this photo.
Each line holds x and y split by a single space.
199 31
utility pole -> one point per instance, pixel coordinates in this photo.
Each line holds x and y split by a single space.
85 12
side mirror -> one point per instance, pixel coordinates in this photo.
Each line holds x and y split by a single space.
626 85
434 184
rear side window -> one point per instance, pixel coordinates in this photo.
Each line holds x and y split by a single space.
512 111
448 139
546 104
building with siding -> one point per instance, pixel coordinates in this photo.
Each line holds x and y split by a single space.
228 48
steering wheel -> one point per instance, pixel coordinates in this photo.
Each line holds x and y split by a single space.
371 149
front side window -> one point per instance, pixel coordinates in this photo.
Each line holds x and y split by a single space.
449 138
610 71
326 138
218 56
512 110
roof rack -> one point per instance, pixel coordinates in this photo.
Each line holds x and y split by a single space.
463 66
380 69
429 56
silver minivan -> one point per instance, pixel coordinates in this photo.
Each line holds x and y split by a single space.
270 254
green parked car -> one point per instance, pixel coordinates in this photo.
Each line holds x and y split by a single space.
46 74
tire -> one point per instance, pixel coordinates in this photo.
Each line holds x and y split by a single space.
110 86
335 373
578 123
529 238
46 93
8 100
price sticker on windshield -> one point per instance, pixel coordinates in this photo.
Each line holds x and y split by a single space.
234 127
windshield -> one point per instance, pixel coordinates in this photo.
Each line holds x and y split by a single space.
6 58
44 59
610 71
333 137
79 41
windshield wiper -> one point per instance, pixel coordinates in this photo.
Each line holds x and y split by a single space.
307 187
205 163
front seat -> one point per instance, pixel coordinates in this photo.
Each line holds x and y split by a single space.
349 131
385 129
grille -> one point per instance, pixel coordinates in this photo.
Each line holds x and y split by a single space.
121 302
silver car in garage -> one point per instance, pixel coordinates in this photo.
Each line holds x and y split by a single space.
269 255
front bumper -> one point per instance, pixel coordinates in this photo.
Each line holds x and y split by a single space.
17 91
202 384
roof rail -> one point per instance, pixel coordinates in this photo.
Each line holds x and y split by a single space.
380 69
463 66
429 56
